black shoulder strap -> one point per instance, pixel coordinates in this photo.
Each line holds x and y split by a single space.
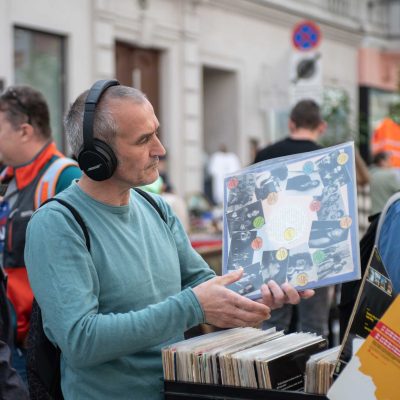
150 199
76 215
79 219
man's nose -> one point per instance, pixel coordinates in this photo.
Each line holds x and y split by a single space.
159 149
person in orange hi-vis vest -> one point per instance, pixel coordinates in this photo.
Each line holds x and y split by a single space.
386 138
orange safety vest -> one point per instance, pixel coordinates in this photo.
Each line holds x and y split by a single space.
36 182
386 137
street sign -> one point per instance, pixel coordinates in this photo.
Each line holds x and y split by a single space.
306 66
305 76
306 36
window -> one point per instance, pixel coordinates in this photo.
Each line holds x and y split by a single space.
39 62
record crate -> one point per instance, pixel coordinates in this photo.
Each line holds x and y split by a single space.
193 391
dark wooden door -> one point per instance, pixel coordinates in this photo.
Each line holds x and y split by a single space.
139 68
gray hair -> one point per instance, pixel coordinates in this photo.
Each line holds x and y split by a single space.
104 127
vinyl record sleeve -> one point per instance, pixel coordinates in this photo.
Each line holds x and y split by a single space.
293 219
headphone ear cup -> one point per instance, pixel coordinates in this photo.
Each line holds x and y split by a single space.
99 163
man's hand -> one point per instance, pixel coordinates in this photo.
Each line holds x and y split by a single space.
226 309
275 296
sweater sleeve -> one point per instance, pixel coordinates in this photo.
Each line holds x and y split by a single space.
66 286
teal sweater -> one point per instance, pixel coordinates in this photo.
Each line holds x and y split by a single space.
113 309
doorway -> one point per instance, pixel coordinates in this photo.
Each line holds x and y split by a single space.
220 110
139 68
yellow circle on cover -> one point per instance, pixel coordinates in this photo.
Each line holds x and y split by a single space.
289 234
281 254
302 279
342 158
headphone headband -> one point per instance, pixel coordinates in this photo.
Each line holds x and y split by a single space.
92 99
96 158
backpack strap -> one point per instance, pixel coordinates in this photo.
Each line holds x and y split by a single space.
76 215
151 200
388 204
79 219
46 188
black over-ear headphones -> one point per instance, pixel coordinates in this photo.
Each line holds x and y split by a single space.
96 158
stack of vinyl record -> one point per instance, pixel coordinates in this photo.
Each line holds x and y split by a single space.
245 357
319 371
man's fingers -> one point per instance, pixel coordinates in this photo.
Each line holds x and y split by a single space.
292 295
251 306
230 277
279 296
267 297
306 294
250 314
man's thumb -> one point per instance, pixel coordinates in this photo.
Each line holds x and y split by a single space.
231 277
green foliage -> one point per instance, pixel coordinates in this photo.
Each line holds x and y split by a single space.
394 109
336 112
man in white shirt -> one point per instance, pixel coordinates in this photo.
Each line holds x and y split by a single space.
221 163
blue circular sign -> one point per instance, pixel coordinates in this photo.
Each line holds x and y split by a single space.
306 36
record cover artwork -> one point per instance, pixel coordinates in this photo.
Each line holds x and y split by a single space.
293 219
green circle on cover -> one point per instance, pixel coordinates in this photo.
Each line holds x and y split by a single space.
319 256
258 222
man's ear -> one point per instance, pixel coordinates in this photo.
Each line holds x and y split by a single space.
291 125
27 131
322 127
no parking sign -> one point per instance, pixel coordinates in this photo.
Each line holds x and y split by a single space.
306 36
305 68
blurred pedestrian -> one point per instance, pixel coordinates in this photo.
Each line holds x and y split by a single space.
35 170
221 163
11 385
386 137
163 187
254 144
305 125
384 181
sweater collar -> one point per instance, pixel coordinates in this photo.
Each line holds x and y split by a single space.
26 173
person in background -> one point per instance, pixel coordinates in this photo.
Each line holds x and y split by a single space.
306 126
35 170
162 186
362 173
221 163
386 136
254 144
111 309
384 181
176 202
11 385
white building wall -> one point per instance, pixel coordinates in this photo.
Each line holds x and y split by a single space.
256 42
251 39
72 19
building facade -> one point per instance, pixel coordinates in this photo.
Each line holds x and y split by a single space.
216 71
